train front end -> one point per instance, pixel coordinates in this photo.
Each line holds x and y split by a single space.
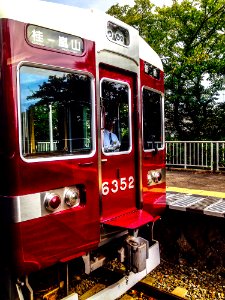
49 191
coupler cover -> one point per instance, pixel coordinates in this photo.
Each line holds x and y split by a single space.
137 253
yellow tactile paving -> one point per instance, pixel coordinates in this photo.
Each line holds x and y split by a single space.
195 192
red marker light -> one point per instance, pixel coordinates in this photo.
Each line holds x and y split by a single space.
52 201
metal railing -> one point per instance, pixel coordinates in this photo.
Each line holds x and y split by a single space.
196 154
46 146
184 154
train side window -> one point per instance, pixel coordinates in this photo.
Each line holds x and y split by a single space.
56 113
115 97
152 120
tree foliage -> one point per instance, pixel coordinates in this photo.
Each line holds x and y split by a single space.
189 38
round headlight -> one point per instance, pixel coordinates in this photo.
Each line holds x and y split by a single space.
72 197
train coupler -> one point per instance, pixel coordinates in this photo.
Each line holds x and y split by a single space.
137 253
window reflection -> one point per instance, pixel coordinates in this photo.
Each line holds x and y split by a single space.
152 119
56 112
115 116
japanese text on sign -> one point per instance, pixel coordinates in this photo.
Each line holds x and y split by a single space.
55 40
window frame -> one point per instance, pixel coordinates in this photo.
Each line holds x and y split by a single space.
129 118
162 118
93 112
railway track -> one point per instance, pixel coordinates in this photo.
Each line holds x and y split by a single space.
144 290
177 276
103 279
167 281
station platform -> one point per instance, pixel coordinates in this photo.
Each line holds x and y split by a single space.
196 191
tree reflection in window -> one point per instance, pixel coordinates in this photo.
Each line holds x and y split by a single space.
152 119
115 104
56 112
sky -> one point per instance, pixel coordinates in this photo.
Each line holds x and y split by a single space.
104 5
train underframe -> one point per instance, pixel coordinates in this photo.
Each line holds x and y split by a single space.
131 254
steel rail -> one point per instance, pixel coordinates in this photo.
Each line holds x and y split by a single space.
152 291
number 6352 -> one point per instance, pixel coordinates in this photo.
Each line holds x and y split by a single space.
117 184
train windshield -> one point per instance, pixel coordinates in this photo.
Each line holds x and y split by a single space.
152 120
115 116
56 113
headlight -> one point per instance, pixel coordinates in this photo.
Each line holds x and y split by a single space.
72 197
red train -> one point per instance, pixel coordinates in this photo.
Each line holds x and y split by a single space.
82 150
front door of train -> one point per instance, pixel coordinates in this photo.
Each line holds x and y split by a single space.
118 140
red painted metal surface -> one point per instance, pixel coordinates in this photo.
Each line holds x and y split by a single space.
149 81
131 220
121 167
154 197
53 238
43 241
21 177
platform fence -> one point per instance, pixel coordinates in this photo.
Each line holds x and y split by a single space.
185 154
196 155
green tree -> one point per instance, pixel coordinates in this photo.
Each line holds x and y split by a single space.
189 38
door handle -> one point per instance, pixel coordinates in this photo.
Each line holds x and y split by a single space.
85 164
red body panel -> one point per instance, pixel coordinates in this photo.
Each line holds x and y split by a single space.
116 167
149 81
43 241
154 197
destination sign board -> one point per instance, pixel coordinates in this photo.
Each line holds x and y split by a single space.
53 39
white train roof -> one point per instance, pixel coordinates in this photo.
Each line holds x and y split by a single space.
59 17
85 23
147 54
